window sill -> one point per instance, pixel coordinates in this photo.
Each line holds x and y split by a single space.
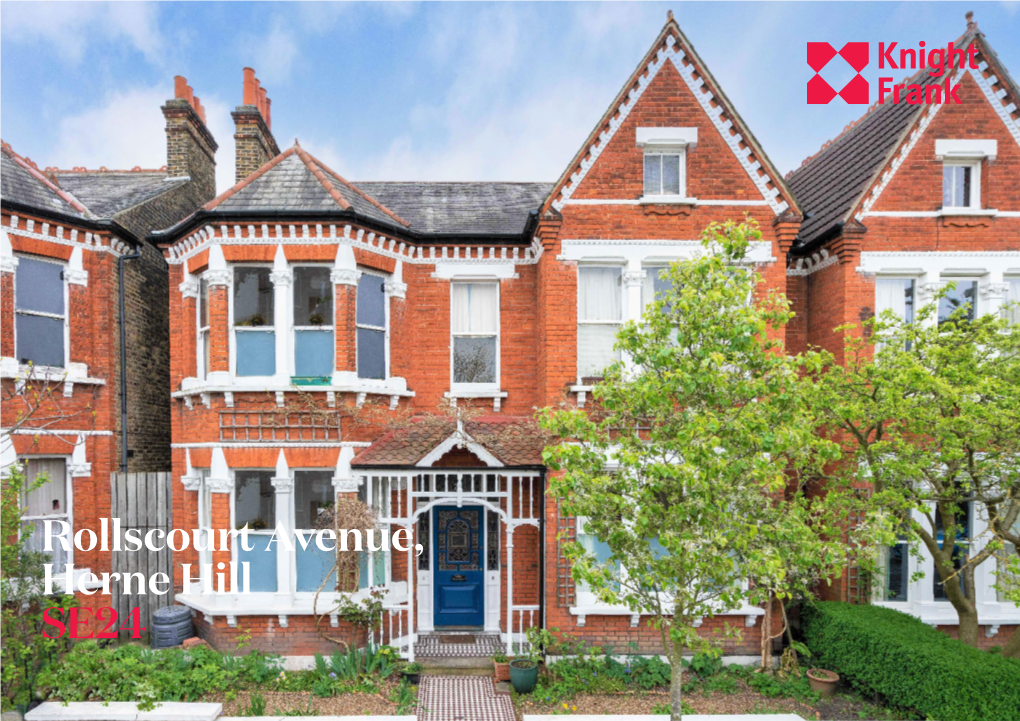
666 200
395 388
749 612
276 604
981 212
78 373
942 613
497 396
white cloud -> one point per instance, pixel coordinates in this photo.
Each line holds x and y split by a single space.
272 55
127 130
70 27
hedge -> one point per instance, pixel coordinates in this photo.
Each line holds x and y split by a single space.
914 666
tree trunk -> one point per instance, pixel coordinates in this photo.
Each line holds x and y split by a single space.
676 682
1012 647
766 637
966 609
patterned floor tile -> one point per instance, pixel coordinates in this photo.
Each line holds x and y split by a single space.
462 698
484 646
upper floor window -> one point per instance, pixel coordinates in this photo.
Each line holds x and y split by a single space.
48 501
371 321
1013 301
664 172
474 325
203 328
963 295
313 322
897 295
40 313
961 183
599 314
254 335
657 285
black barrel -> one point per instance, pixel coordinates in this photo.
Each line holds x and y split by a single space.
171 625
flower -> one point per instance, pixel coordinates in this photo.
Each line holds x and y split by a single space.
332 675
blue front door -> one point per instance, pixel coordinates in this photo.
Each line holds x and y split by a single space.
459 575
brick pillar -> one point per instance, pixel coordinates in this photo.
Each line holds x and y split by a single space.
220 517
7 306
345 296
186 358
219 320
396 294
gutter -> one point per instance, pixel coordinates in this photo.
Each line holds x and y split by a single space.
104 225
819 241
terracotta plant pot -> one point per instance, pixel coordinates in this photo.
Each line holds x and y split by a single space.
823 682
502 670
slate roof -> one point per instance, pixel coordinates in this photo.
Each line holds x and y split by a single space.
482 208
514 441
106 193
829 184
296 181
24 184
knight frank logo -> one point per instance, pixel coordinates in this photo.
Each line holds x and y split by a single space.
924 91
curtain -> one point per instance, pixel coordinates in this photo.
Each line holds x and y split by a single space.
599 294
475 308
890 294
49 499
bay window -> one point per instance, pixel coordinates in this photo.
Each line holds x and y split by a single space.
313 494
254 334
314 349
202 339
1007 580
896 562
897 295
593 546
371 322
40 313
962 295
474 326
374 566
47 502
657 285
599 314
960 550
255 506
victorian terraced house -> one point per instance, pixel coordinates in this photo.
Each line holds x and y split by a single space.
317 324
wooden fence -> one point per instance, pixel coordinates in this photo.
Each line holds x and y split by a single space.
142 501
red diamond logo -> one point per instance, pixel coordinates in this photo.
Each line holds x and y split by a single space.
819 54
819 92
856 91
856 54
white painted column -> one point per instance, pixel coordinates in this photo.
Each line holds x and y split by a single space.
283 482
282 277
510 589
633 281
992 293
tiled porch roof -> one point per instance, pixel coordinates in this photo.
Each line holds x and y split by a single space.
515 441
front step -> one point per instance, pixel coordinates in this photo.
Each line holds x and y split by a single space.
457 666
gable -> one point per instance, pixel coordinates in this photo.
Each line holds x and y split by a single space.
674 52
713 171
917 183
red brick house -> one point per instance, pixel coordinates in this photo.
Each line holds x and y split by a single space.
314 319
905 200
65 238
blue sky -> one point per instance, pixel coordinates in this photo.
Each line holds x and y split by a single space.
434 91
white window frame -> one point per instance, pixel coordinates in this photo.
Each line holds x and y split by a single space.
625 311
204 518
977 310
975 183
202 333
234 547
386 330
234 330
293 328
477 387
660 151
68 515
65 318
1012 296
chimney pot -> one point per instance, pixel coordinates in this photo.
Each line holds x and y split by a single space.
189 95
248 96
180 85
262 101
199 109
970 20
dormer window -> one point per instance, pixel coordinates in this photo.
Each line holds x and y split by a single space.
961 172
665 162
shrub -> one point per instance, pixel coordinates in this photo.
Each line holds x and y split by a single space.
914 666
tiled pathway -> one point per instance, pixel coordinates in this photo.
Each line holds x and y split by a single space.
431 646
462 698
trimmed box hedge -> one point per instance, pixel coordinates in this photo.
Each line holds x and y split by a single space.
914 666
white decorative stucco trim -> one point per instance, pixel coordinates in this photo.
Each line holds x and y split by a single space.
644 201
675 56
274 444
679 137
965 148
114 245
818 261
79 466
635 252
460 270
348 236
460 439
938 263
995 99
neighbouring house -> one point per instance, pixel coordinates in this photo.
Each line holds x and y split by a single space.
317 323
905 200
63 237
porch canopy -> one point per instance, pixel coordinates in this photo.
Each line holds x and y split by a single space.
494 462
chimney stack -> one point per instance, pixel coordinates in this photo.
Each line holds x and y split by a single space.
253 137
190 147
970 20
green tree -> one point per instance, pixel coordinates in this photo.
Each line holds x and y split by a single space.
688 449
25 650
932 421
